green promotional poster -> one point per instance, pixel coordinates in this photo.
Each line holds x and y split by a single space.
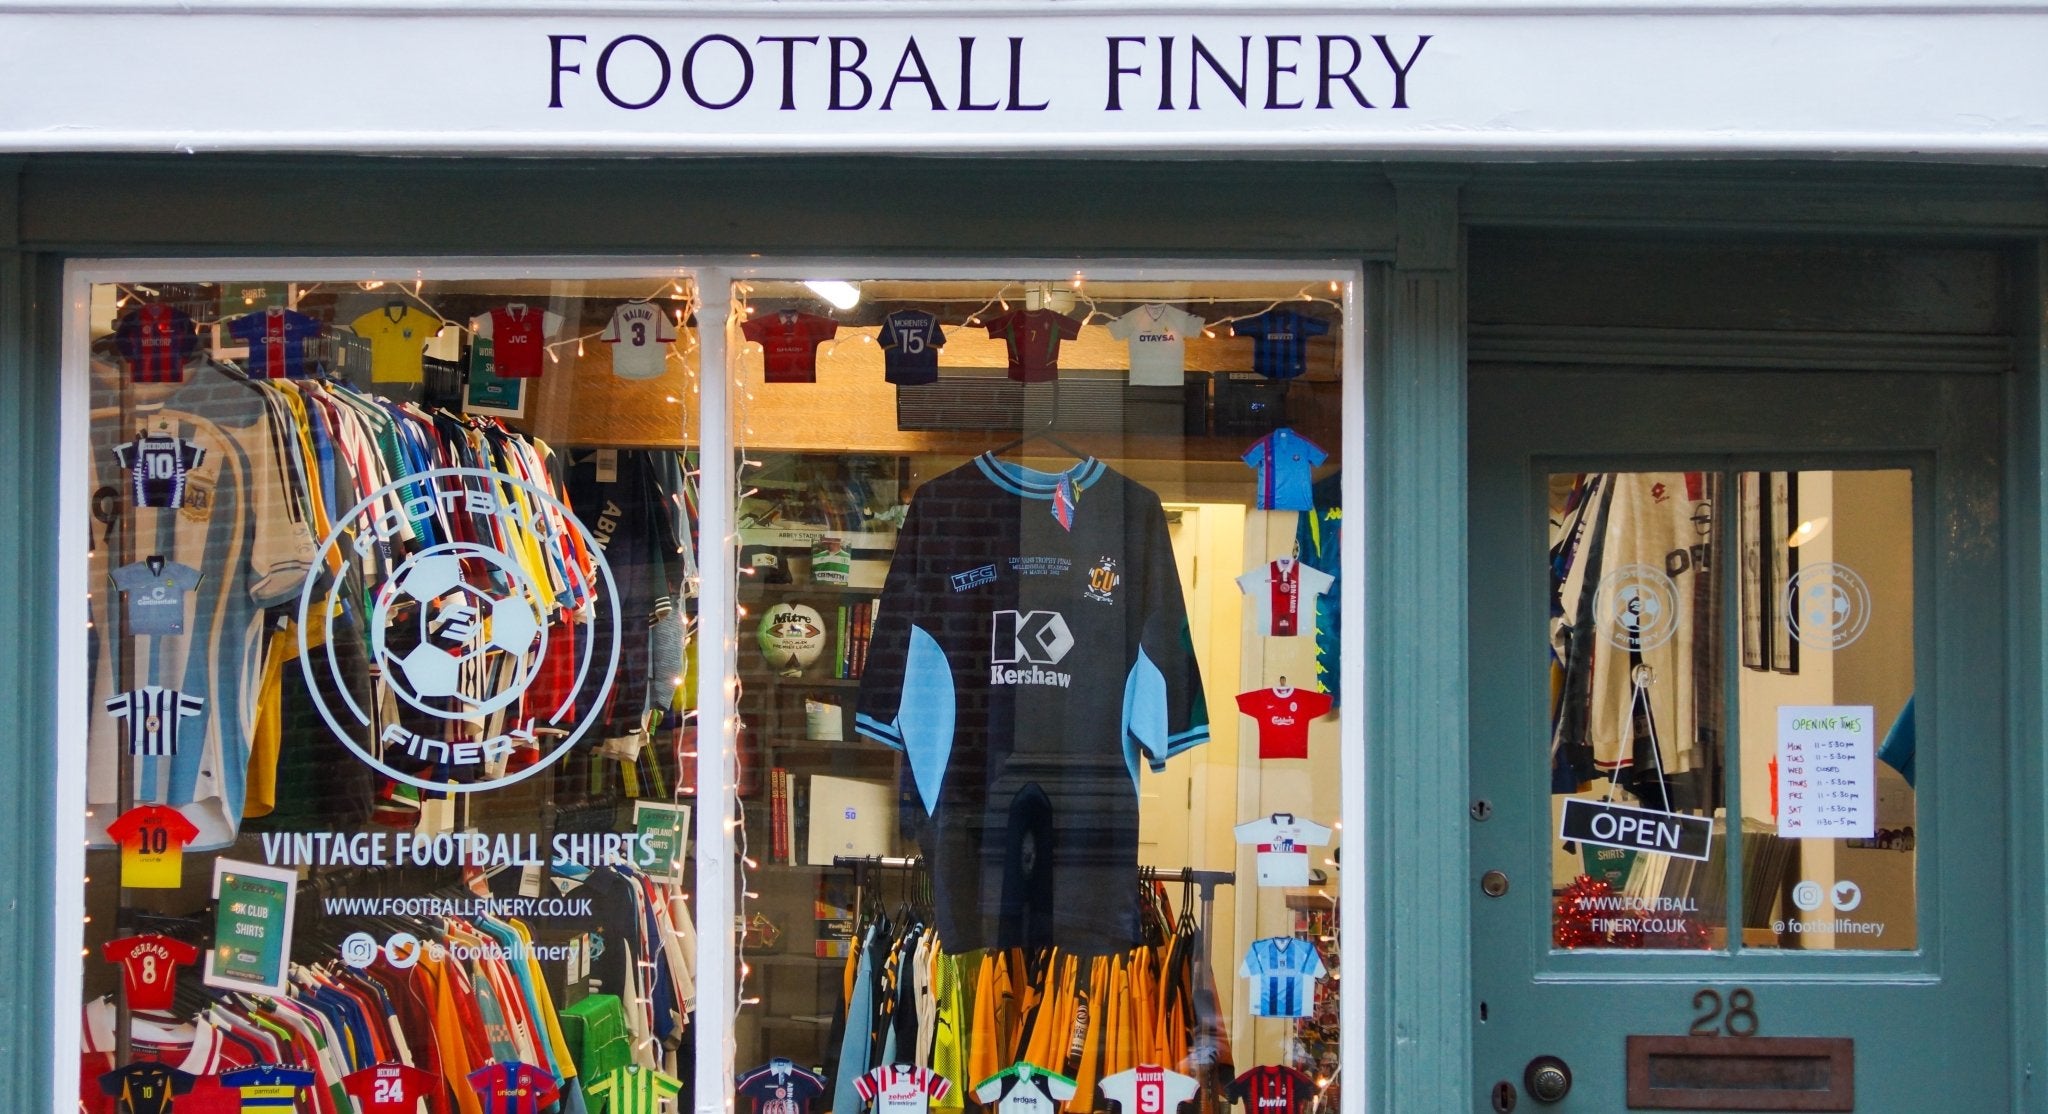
664 831
252 927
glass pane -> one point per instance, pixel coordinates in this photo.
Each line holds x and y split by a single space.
1042 776
1828 739
1635 678
387 730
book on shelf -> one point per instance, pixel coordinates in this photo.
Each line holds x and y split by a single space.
778 815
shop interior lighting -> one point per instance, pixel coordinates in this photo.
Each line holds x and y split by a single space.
842 295
1808 530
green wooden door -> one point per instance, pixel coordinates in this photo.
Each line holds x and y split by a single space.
1740 635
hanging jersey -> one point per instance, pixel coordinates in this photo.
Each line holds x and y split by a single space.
513 1088
519 335
277 341
149 967
1027 670
1158 337
1025 1088
146 1088
1280 341
1281 842
1281 596
156 342
152 840
156 590
391 1088
635 1090
398 336
789 344
154 717
639 333
1033 337
1283 971
1283 716
780 1087
1272 1089
158 465
911 339
1148 1089
901 1088
268 1087
1285 462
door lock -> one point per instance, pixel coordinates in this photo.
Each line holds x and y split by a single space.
1504 1097
1547 1079
1493 883
1482 810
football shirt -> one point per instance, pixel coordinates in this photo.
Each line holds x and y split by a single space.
153 716
156 342
1148 1089
146 1088
789 344
390 1088
1280 341
1285 462
398 336
1158 338
513 1088
780 1087
902 1088
1277 591
635 1090
152 840
1025 1088
277 341
1283 970
911 339
1033 337
519 335
149 967
1283 715
268 1086
156 588
1282 840
158 465
1272 1089
639 333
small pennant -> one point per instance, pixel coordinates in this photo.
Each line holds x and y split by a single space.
1064 497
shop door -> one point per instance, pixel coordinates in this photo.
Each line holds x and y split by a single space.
1738 747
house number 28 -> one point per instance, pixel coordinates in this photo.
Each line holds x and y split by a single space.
1737 1020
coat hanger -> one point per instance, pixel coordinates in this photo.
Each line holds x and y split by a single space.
1040 433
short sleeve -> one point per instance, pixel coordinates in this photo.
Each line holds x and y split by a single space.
938 339
1188 324
1249 325
184 577
128 578
612 333
366 324
180 829
1124 326
1179 1089
604 1086
1251 704
937 1086
428 323
664 327
1255 457
181 951
1251 965
243 328
1251 582
1059 1086
1313 326
480 326
1314 580
551 322
990 1090
999 325
1314 966
1070 329
754 329
117 706
822 328
1317 704
1312 452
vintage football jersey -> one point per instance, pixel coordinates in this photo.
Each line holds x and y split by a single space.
780 1087
1283 971
1148 1089
1033 337
158 465
1025 1088
154 716
1027 668
152 840
398 336
1158 337
513 1088
146 1088
156 588
277 341
391 1088
1283 715
519 337
789 344
1285 462
901 1088
1280 341
149 967
1281 842
635 1090
639 333
911 339
268 1086
156 342
1281 596
1272 1089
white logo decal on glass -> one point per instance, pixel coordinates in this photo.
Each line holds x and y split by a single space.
1637 607
1827 606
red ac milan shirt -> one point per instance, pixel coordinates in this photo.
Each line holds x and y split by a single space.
1272 1089
149 967
1283 716
1034 336
156 341
789 344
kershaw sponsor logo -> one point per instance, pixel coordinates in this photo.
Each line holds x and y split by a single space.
1032 639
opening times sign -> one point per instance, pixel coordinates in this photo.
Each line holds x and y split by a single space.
1827 772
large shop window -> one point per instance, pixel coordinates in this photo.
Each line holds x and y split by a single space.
387 752
1040 761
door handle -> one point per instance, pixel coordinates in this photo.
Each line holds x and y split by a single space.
1547 1079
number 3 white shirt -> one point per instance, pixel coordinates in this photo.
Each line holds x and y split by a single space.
1148 1089
639 333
